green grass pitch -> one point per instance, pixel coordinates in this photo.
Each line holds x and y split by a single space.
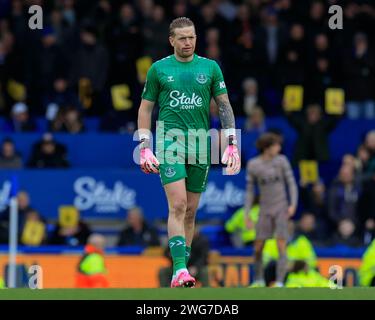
191 294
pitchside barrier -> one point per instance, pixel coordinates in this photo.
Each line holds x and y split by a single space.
108 194
134 267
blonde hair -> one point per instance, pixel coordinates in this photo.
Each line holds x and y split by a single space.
180 22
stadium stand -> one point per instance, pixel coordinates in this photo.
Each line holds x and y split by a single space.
92 56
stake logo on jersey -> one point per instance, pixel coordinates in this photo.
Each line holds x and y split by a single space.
178 99
201 78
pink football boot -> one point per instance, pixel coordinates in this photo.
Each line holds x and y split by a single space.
184 280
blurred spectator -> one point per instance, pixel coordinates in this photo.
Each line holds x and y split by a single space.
322 47
125 41
20 119
370 145
23 202
197 264
137 232
308 227
68 120
179 9
155 32
69 12
241 234
9 158
350 161
91 269
343 196
359 74
250 89
255 122
45 64
317 20
59 96
48 153
212 36
366 209
240 35
362 159
64 27
70 236
301 276
227 9
208 18
314 199
322 69
313 132
90 69
346 234
214 52
102 15
293 69
271 39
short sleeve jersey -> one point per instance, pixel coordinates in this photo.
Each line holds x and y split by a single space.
183 91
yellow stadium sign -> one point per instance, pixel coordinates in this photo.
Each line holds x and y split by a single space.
33 233
85 92
121 97
16 90
334 101
293 98
68 216
143 64
309 171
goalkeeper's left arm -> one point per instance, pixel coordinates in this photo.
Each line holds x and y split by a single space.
231 155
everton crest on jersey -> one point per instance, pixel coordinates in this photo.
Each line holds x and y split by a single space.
201 78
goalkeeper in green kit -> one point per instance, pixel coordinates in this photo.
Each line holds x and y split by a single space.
183 85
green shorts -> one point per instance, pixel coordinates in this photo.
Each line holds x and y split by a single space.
195 175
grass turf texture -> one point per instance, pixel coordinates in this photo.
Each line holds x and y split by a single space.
190 294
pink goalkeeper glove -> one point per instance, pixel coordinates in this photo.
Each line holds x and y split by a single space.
232 159
149 163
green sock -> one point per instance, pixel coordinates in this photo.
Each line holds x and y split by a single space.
187 254
177 246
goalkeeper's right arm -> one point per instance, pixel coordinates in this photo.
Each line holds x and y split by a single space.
148 161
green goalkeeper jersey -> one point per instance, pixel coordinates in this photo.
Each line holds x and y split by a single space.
183 91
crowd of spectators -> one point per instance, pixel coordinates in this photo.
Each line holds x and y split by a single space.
86 47
343 211
136 231
45 153
65 72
